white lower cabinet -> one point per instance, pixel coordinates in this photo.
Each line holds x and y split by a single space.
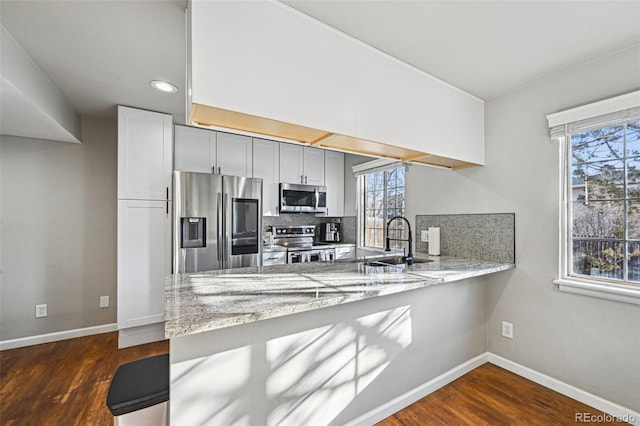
274 258
345 252
144 259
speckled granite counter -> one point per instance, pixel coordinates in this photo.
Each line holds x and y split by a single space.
206 301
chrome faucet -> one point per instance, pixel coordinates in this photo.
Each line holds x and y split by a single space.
409 257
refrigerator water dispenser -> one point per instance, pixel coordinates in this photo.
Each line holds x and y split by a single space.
193 232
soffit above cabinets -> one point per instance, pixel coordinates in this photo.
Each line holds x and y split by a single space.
32 106
203 115
322 88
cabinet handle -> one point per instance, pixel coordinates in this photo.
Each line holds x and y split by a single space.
213 170
305 180
219 170
301 178
167 201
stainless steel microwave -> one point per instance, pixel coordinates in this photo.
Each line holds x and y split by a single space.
303 198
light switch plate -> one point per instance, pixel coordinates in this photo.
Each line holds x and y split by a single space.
424 236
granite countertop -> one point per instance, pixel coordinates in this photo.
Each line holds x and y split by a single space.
204 301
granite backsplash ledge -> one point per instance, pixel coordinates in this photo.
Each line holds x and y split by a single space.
478 236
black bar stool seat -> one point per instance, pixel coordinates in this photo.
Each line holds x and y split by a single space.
139 384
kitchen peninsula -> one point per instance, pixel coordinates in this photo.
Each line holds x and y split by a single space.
253 346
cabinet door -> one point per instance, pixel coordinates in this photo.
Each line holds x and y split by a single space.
145 152
266 165
313 166
334 181
234 154
195 149
144 259
291 163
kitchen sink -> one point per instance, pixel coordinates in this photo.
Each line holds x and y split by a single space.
389 261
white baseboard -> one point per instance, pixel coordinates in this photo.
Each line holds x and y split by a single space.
58 335
408 398
134 336
587 398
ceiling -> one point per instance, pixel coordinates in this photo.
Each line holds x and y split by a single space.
104 53
486 48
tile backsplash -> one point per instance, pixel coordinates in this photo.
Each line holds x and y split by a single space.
295 219
479 236
348 223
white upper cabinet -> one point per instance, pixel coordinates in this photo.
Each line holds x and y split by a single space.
195 150
334 181
208 151
145 151
315 76
234 154
301 164
291 163
313 166
266 165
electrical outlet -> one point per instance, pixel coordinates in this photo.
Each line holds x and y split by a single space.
104 301
41 311
507 330
424 236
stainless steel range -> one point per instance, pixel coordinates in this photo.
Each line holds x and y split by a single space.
300 244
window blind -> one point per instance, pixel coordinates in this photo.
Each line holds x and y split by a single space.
599 114
378 165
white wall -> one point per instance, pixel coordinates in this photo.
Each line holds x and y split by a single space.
590 343
58 231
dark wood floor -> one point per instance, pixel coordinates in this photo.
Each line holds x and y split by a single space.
66 383
490 395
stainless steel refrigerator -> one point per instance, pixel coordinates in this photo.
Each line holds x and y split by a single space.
217 222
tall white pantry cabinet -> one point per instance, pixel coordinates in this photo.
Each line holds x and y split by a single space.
145 152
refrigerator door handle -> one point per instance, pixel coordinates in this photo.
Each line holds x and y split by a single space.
219 226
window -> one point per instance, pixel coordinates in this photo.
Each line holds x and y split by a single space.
600 198
383 197
604 211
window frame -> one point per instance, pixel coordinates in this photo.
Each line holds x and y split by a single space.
561 130
362 207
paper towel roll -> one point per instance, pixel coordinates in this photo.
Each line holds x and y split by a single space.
434 242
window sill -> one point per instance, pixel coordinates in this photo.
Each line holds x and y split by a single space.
617 292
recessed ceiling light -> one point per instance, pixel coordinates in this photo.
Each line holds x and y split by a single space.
163 86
